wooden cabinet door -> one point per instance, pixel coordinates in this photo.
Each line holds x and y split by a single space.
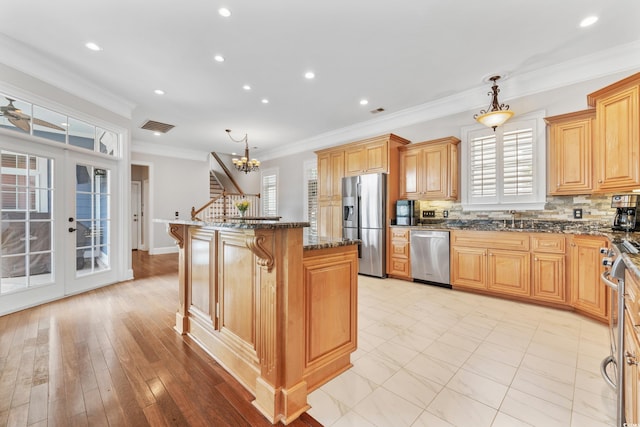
454 172
376 157
588 293
468 267
549 277
631 372
330 219
435 172
354 161
509 272
400 264
570 153
410 174
618 140
324 177
337 173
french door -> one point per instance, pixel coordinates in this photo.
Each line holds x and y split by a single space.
57 221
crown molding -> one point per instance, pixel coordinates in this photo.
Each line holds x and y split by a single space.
38 64
589 67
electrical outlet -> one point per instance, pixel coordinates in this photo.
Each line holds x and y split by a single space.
445 214
428 214
577 213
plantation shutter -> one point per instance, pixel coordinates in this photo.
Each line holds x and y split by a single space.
518 163
269 194
483 165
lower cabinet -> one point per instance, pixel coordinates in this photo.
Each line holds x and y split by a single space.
400 260
630 369
532 267
548 271
493 261
588 295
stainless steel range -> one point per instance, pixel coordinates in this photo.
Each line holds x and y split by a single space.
613 277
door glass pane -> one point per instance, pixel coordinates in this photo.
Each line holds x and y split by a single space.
26 257
93 216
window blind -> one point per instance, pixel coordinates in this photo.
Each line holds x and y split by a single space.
518 162
269 195
483 167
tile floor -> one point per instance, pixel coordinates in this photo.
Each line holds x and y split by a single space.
429 356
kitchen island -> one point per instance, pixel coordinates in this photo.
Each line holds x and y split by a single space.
276 309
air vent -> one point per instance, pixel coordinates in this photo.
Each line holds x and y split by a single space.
157 126
377 110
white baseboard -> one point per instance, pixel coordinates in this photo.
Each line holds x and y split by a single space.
165 250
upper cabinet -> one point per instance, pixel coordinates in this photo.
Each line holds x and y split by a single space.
373 155
429 170
617 135
570 152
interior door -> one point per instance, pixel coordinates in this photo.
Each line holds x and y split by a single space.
135 215
91 223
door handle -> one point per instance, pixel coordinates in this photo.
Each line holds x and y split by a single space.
71 229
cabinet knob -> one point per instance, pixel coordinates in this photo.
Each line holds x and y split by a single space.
631 358
599 181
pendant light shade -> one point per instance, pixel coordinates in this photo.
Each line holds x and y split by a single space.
496 114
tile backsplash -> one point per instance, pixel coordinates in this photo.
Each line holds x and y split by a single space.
595 208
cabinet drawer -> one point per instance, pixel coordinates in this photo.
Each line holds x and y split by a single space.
515 241
400 267
398 233
400 250
549 243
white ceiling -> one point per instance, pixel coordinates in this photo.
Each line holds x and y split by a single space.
400 55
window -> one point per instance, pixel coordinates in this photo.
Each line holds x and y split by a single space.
504 169
269 193
310 195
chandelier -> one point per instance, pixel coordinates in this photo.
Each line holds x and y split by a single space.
496 114
243 164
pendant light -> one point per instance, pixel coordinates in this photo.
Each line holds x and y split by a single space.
496 114
244 164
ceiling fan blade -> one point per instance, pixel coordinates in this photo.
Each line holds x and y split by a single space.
22 124
47 124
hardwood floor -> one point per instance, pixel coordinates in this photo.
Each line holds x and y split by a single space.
110 357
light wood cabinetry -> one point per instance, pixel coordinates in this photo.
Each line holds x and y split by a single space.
617 135
548 269
532 267
429 170
400 265
330 173
373 155
631 373
570 162
588 295
631 346
366 158
492 261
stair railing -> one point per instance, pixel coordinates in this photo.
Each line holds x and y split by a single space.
223 207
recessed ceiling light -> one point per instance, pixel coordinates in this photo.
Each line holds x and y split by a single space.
309 75
219 58
364 101
93 46
158 92
157 133
246 87
588 21
265 101
223 11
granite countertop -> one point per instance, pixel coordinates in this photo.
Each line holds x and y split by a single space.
238 223
522 226
314 242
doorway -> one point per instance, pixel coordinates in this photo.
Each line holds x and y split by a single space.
141 207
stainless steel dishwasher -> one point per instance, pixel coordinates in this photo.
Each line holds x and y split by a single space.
429 250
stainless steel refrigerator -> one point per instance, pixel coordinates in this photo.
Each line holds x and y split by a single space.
364 218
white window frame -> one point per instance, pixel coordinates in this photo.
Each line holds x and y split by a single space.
266 173
537 200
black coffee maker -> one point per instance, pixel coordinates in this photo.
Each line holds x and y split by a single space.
626 207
